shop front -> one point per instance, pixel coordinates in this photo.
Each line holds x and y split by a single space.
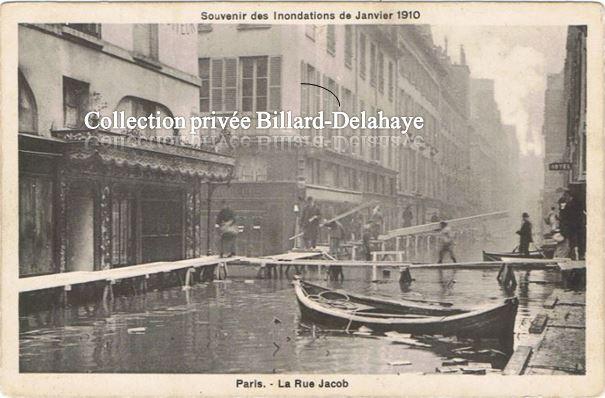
90 200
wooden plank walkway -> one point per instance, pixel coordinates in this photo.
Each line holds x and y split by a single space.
526 264
74 278
65 279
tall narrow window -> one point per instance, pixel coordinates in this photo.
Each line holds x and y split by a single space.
254 83
348 46
223 84
391 82
331 39
122 230
373 64
362 56
75 102
204 73
381 72
146 41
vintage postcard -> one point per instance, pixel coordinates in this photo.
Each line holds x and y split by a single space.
287 199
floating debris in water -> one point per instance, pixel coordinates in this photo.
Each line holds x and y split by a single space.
140 330
399 363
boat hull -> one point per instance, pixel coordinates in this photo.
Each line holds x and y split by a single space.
495 321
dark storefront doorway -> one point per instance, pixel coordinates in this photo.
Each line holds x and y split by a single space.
161 225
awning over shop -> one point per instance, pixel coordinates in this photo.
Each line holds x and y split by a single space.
156 155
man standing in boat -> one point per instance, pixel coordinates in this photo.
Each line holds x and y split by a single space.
446 242
525 235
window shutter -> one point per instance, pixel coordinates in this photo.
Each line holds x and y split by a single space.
230 91
275 83
217 85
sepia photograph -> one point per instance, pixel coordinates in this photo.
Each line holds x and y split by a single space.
287 193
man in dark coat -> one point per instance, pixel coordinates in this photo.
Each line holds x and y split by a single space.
571 224
228 230
310 223
525 235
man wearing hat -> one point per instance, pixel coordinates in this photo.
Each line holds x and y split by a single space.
525 235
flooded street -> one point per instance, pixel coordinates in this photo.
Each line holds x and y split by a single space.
249 325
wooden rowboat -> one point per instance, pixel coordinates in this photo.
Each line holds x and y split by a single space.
348 311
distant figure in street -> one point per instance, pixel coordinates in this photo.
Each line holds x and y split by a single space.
337 235
407 217
525 235
446 242
228 230
435 218
310 223
366 237
376 220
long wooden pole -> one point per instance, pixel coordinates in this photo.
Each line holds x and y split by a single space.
343 215
419 229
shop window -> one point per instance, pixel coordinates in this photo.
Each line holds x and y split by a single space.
76 96
381 72
36 232
122 231
373 74
28 111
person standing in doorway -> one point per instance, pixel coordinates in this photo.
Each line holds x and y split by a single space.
525 235
446 242
228 230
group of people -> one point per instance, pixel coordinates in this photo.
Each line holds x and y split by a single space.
310 222
567 227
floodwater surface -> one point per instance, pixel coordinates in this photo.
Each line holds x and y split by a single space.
251 326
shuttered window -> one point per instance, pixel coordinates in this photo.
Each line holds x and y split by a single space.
331 39
390 81
249 84
275 83
362 56
223 85
348 46
260 83
381 72
373 65
204 73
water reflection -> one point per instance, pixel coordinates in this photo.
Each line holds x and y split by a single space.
242 325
